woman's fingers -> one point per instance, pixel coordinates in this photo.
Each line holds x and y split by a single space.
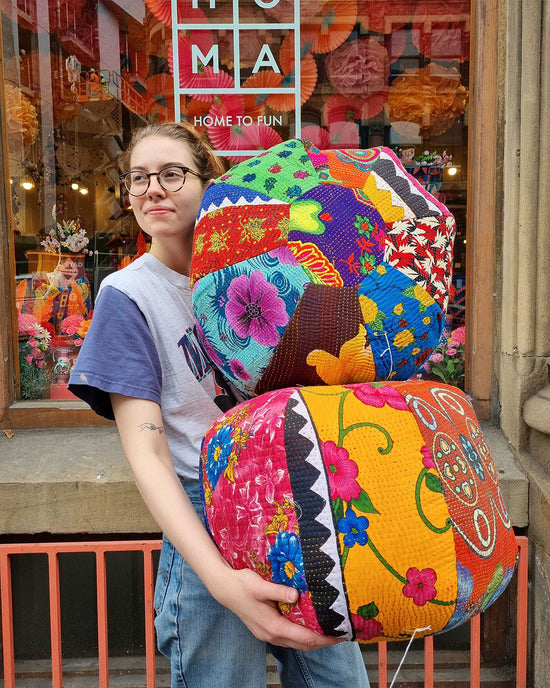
256 602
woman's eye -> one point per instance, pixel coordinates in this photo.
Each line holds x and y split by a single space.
138 178
172 174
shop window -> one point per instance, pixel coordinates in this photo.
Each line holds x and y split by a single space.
81 75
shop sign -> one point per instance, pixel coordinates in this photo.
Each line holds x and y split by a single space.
190 55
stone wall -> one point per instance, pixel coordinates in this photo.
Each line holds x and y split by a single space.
523 261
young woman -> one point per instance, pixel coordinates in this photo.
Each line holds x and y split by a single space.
142 365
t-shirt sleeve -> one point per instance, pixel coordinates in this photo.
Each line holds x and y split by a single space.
118 355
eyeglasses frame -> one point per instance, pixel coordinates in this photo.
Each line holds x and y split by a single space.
185 171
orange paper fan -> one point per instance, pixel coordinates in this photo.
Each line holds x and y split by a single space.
373 104
344 135
339 135
283 102
202 39
205 77
284 10
194 111
235 138
263 79
331 28
187 14
318 136
339 108
234 105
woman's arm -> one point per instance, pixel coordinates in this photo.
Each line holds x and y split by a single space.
248 595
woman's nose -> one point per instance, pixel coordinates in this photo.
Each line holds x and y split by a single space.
154 186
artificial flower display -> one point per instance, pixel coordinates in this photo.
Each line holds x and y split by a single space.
34 344
315 266
67 236
409 157
380 503
447 362
74 328
430 98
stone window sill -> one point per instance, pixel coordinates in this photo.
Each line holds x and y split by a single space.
77 481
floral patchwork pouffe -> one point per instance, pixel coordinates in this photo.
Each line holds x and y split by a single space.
379 502
316 267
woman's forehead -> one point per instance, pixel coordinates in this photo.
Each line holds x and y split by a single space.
160 150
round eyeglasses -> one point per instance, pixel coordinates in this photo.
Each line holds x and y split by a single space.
171 178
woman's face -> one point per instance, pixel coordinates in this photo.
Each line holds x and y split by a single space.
166 215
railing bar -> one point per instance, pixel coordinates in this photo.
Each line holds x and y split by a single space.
382 665
55 619
523 589
102 631
428 661
87 546
475 651
6 603
148 583
147 547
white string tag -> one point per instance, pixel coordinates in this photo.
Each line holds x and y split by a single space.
416 630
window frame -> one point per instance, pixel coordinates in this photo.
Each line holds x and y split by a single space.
480 258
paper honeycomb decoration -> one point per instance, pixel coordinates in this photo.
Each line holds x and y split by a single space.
379 502
316 267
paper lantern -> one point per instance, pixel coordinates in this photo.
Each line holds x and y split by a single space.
320 267
379 502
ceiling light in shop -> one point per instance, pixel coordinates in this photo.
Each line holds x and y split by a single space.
74 186
83 190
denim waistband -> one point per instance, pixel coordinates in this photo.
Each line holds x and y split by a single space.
193 488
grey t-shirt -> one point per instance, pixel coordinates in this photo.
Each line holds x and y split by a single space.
143 343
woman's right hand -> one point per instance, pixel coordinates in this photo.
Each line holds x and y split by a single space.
255 601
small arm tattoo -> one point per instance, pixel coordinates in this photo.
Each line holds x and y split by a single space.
152 427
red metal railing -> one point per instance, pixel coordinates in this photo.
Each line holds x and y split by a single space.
147 548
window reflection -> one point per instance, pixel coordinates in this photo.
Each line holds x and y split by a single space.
80 75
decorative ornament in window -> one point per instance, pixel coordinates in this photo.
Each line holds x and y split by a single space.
22 120
430 99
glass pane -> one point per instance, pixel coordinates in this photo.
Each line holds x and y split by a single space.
81 75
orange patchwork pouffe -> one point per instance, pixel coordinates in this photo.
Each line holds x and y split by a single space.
379 502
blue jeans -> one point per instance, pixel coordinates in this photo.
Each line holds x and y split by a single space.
209 646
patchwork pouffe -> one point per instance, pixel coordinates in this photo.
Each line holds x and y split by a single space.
379 502
318 267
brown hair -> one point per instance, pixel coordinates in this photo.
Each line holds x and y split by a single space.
207 163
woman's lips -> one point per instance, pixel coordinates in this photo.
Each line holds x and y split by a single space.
158 210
